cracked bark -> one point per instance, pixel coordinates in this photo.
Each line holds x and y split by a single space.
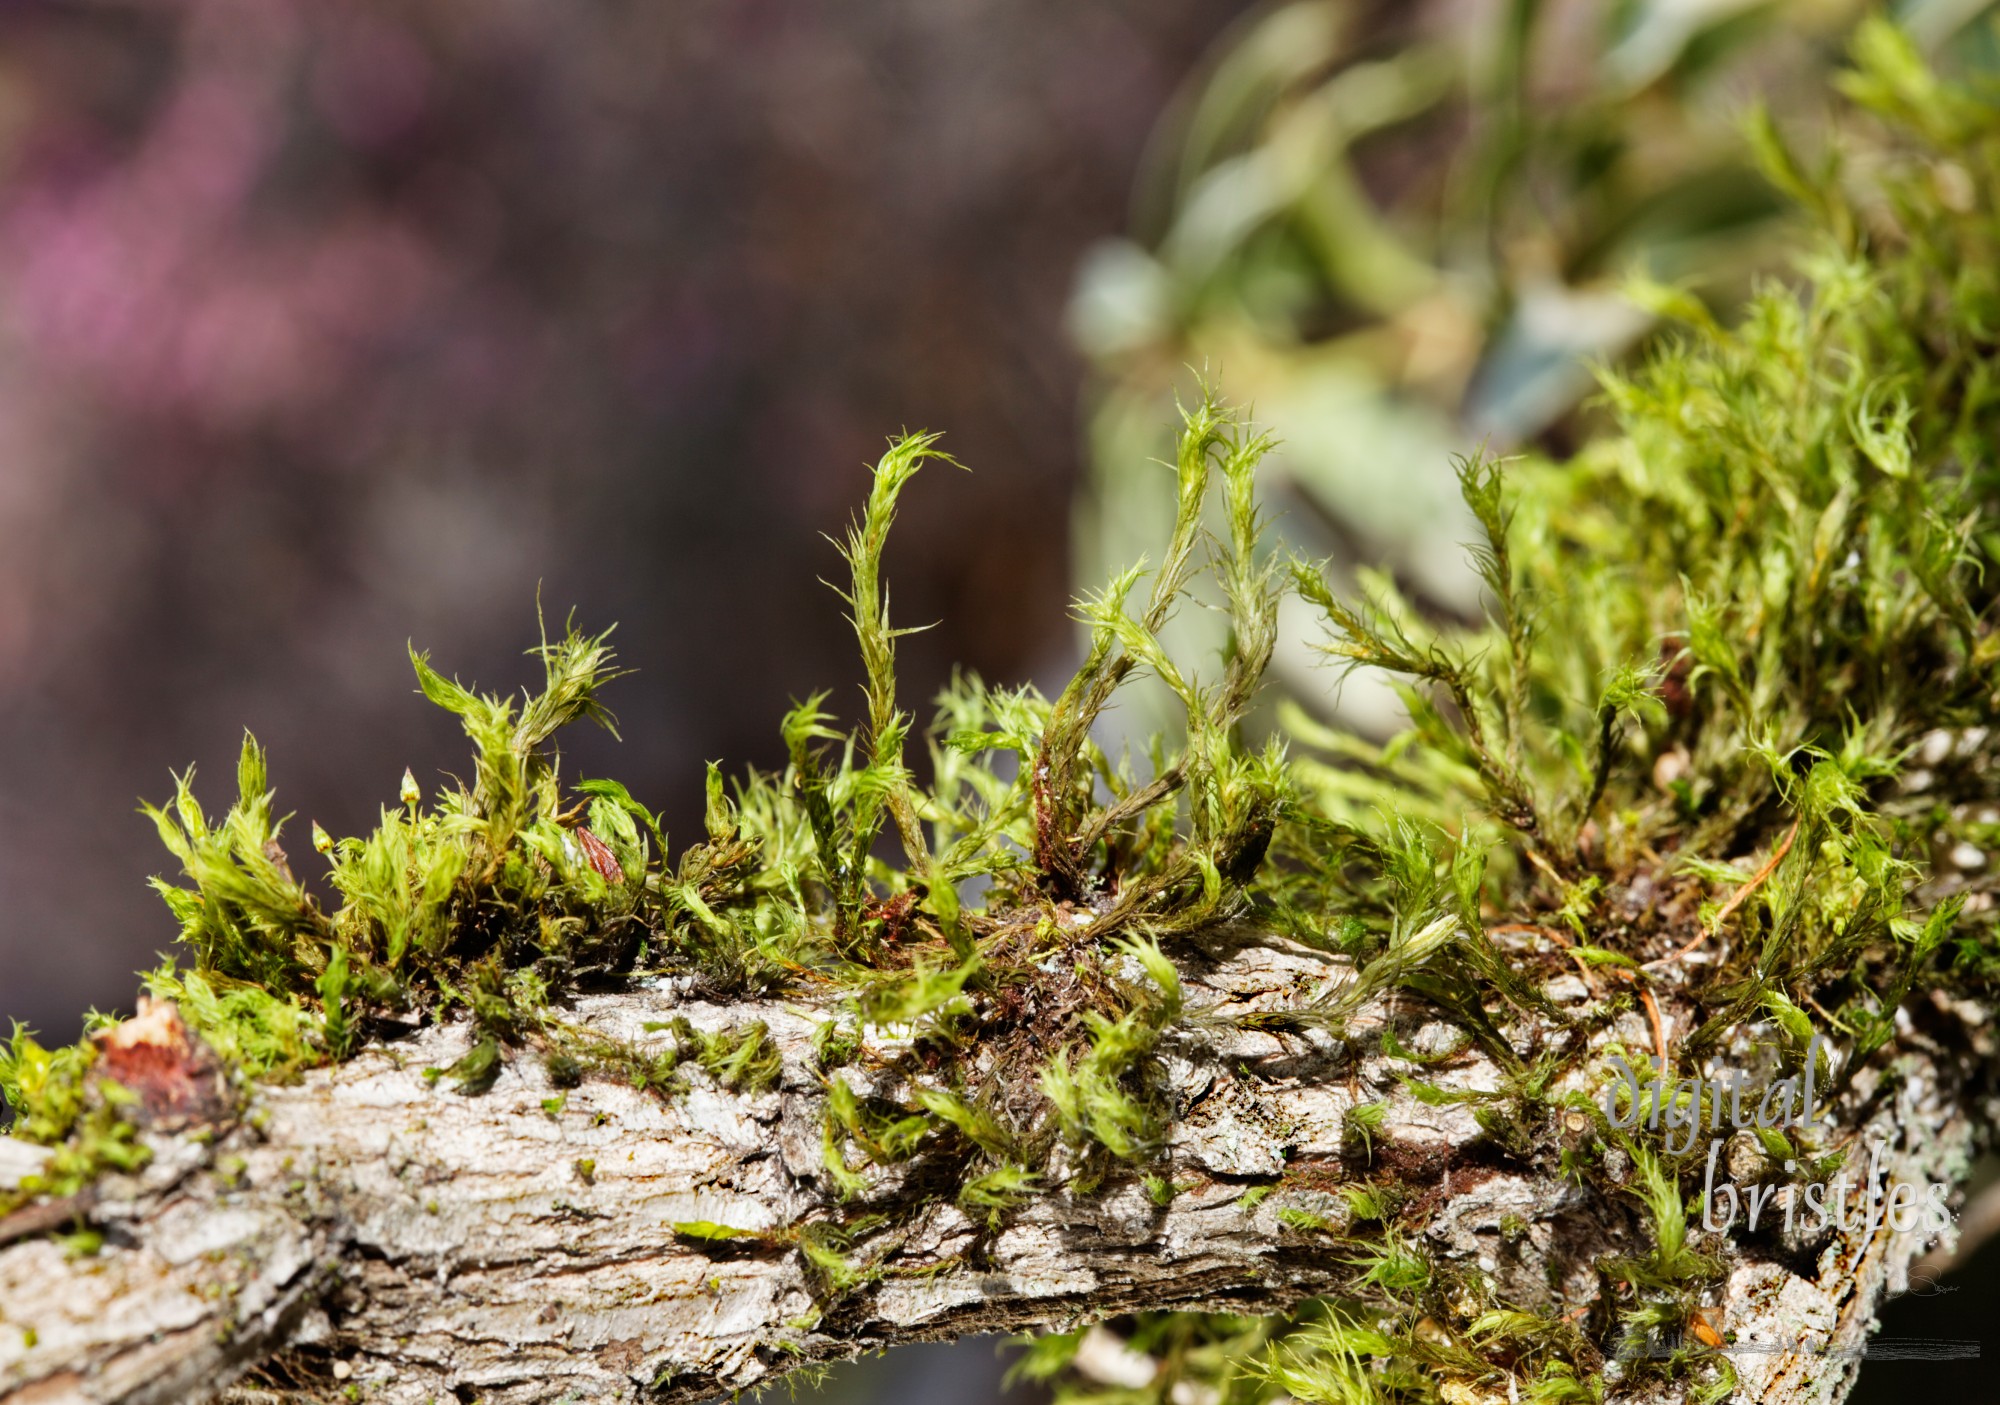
365 1227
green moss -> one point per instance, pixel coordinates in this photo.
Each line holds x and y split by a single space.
1770 570
707 1231
1776 569
990 1194
44 1087
57 1105
741 1059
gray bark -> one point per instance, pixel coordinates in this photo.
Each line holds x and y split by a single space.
367 1227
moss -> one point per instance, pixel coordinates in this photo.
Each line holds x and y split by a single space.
1718 631
44 1087
742 1059
57 1104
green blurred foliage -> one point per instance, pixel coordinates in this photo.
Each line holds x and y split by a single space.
1395 233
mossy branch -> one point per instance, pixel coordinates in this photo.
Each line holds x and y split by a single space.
1706 774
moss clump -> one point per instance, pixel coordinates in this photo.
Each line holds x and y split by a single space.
1718 631
500 898
1751 622
56 1102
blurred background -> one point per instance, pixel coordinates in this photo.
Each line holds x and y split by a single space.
324 328
327 328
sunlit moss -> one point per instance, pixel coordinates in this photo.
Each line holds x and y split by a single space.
1719 630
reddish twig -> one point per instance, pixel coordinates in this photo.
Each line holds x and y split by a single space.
49 1215
1738 898
1659 1026
1560 938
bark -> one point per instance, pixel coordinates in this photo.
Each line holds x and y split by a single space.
368 1227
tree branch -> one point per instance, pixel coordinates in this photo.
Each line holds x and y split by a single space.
367 1227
